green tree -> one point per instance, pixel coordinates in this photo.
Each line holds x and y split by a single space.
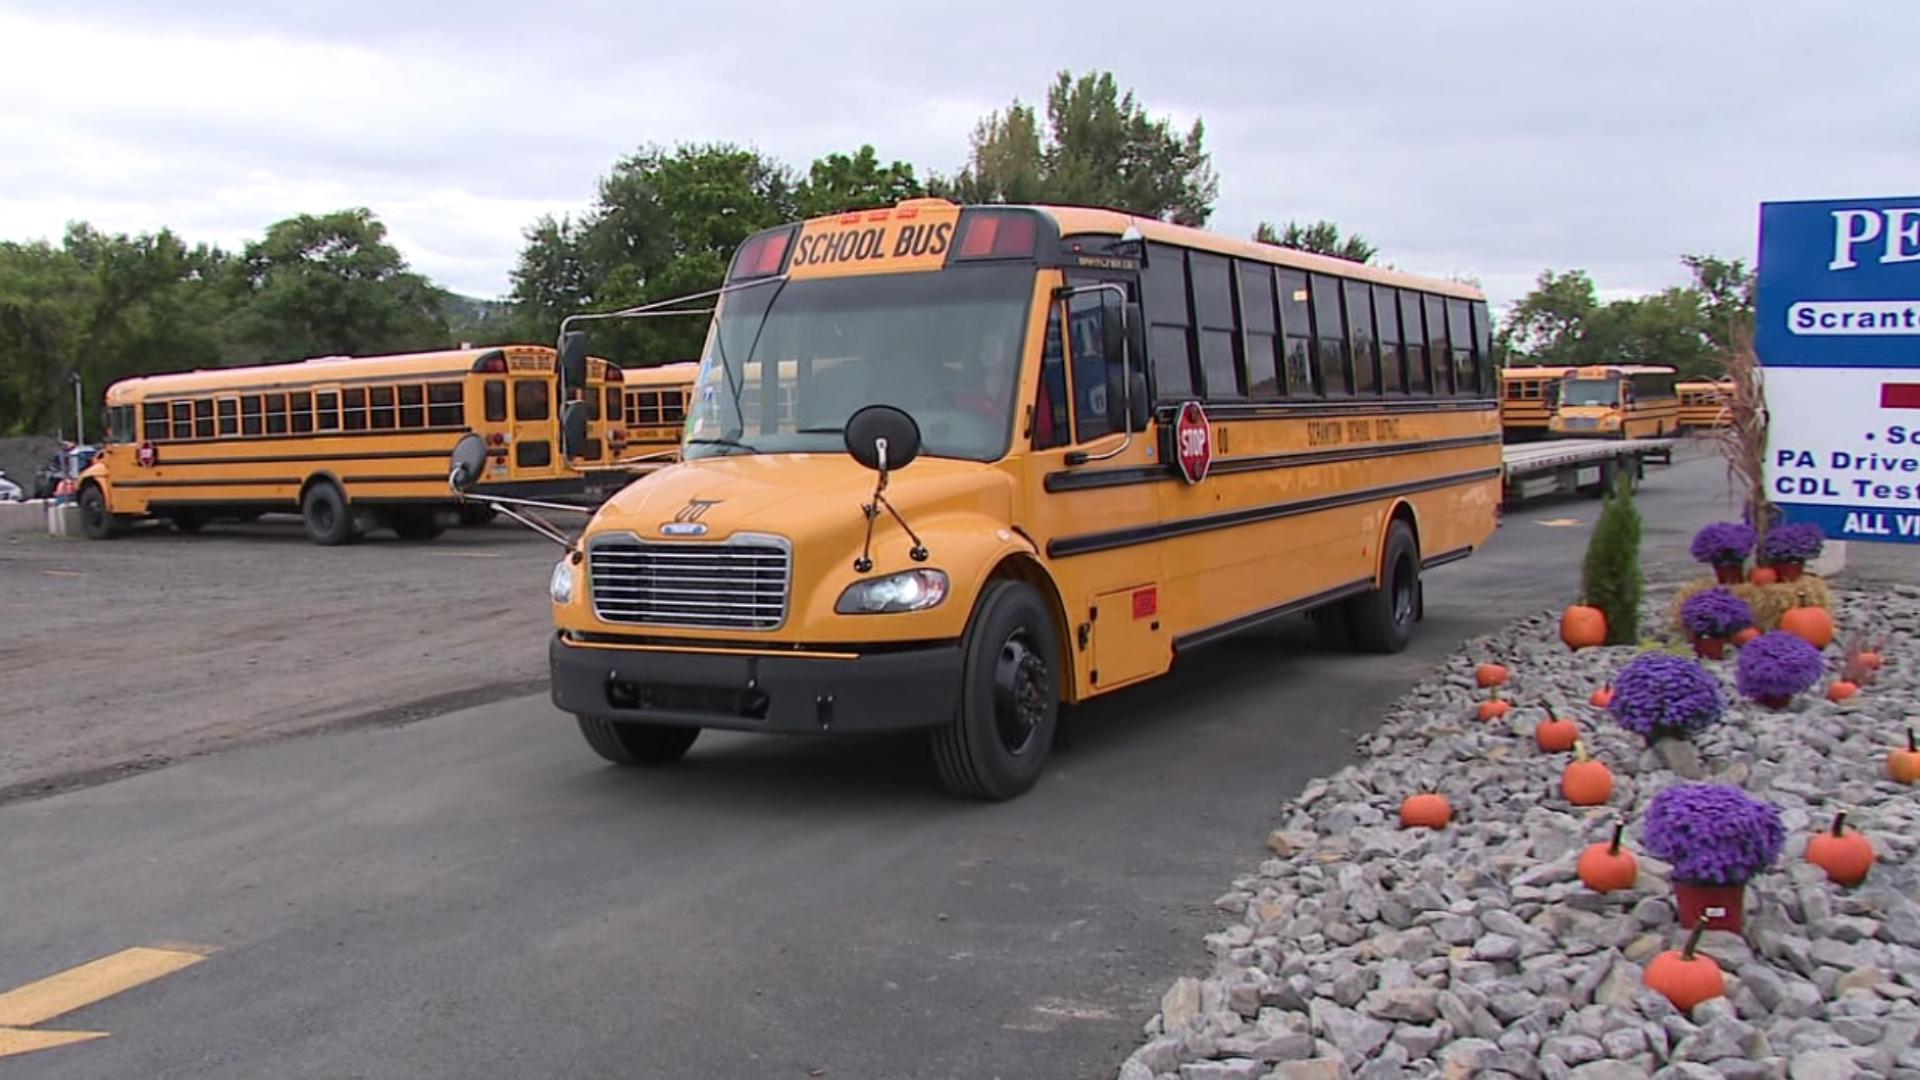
1726 299
1321 238
1101 148
1667 327
1610 577
331 284
1546 326
839 182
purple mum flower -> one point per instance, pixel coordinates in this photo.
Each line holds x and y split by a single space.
1793 543
1661 694
1715 613
1775 666
1722 542
1712 834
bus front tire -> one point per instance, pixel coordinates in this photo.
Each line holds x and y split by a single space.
997 745
1381 620
634 743
95 520
325 510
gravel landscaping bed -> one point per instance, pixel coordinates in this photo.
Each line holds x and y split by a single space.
1363 949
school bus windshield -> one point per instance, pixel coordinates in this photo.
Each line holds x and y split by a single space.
789 362
1590 392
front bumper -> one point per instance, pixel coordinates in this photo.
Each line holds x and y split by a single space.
915 687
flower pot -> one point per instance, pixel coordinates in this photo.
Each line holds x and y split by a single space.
1773 701
1730 573
1710 648
1789 570
1725 906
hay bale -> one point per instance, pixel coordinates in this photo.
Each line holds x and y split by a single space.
1768 602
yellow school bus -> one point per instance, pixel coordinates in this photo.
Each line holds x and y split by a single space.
654 407
349 443
1631 401
955 468
1703 405
1527 396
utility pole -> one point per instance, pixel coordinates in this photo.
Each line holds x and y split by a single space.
79 414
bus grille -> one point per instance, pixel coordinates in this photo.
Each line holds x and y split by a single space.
741 586
1581 423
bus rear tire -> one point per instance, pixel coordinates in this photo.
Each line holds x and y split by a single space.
634 743
1381 620
95 520
415 524
997 745
325 510
476 514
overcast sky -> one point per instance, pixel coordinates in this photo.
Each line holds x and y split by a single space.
1460 136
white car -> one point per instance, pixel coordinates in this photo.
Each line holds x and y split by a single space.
10 491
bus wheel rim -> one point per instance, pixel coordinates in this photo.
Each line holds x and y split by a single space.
1019 694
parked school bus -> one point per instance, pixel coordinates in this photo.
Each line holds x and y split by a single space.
956 468
1527 398
1703 405
349 443
654 407
1625 402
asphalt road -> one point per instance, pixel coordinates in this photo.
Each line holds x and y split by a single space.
475 895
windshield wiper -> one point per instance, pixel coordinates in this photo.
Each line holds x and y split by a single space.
724 440
820 431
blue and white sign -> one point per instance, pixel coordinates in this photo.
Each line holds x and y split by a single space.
1837 327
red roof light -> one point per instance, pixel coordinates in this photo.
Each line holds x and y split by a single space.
996 234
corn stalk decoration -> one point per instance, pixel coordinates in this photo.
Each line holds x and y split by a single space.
1743 441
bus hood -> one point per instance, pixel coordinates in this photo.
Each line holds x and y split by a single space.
810 498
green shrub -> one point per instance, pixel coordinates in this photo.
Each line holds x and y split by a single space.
1610 577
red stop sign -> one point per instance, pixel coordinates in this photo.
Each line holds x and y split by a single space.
1193 442
146 455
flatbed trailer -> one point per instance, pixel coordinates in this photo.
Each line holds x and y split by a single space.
1566 466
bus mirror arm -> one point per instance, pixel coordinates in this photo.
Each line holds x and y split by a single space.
469 460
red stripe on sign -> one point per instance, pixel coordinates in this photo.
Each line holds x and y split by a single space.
1900 395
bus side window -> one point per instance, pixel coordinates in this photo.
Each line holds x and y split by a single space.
1386 312
1050 402
413 407
250 409
154 416
1366 368
1483 346
229 416
496 395
1163 287
1259 328
203 417
276 414
300 412
446 404
1094 372
612 410
353 408
1437 345
673 407
380 407
1466 380
1330 335
1296 324
1214 328
1414 333
530 400
326 408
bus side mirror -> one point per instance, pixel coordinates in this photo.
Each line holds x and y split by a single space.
573 358
883 438
468 461
1113 326
573 428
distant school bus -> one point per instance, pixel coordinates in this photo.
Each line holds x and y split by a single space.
348 443
1625 402
1527 397
1703 405
1133 439
654 407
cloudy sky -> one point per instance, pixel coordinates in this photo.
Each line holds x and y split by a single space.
1461 136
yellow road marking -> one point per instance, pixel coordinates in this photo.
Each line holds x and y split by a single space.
472 554
76 988
1559 523
65 573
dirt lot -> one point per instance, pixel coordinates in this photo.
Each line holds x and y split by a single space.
131 653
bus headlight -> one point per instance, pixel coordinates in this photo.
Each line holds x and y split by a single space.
560 585
911 590
1609 421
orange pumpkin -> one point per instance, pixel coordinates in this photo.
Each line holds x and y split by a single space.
1811 624
1555 736
1764 575
1904 765
1586 782
1490 675
1845 856
1601 698
1870 660
1425 811
1686 978
1746 635
1841 690
1606 867
1494 710
1583 627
